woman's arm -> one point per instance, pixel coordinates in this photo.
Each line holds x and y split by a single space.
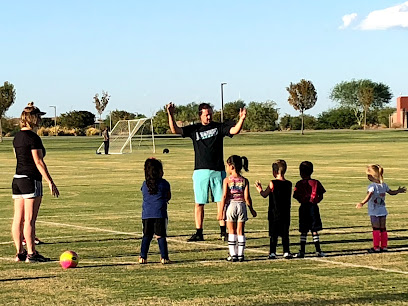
220 214
366 199
248 199
399 190
42 168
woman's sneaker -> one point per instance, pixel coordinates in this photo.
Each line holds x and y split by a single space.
36 257
21 256
142 260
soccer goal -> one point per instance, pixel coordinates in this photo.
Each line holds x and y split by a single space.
128 135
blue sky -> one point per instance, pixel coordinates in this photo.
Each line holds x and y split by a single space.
147 53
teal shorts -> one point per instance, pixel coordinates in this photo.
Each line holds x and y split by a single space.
205 180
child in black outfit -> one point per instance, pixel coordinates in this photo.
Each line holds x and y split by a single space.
309 193
280 193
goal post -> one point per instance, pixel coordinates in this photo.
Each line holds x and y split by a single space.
127 135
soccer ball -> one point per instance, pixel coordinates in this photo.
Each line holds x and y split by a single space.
68 259
165 151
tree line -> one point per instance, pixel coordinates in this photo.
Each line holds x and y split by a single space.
360 103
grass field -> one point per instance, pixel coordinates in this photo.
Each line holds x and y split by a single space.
98 216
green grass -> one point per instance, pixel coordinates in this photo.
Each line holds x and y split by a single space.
98 216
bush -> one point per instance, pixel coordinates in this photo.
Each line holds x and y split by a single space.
337 118
92 131
356 127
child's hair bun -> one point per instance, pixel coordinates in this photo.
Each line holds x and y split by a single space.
30 104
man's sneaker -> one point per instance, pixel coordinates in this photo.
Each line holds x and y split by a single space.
372 250
21 256
36 241
384 249
142 260
272 256
287 255
299 255
241 258
232 258
320 254
165 261
36 257
196 237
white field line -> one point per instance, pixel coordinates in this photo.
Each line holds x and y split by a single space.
217 245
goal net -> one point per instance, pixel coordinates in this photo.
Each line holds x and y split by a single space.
129 135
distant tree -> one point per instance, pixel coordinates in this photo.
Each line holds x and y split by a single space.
100 104
161 121
365 97
187 113
302 96
289 122
7 98
348 94
10 126
262 116
337 118
231 110
121 115
77 119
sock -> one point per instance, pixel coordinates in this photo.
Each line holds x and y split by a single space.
223 229
145 246
272 244
376 238
232 242
199 231
164 252
384 239
241 245
316 241
303 242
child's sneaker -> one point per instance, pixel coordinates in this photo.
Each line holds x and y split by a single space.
21 256
36 257
223 237
373 250
287 255
299 255
232 258
384 249
320 254
241 258
272 256
36 241
195 237
142 260
165 261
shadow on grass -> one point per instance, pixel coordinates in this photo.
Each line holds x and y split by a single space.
26 278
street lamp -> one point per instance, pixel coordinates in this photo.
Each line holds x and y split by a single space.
55 118
222 101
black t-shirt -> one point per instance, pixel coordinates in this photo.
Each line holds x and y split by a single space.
208 144
23 143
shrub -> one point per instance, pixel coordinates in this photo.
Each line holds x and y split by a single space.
92 131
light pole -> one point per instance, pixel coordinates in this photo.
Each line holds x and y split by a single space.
222 101
55 118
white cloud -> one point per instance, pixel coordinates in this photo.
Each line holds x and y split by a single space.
392 17
347 20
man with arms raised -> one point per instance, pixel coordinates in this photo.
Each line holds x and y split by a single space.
209 169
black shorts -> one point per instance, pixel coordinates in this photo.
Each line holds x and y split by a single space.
309 218
155 226
24 187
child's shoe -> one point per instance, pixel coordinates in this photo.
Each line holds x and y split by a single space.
232 258
21 256
165 261
36 257
196 237
299 255
142 260
373 250
321 254
287 255
272 256
384 249
241 258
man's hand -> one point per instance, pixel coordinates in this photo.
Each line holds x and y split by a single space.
170 108
242 113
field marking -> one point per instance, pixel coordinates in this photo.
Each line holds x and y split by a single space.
223 246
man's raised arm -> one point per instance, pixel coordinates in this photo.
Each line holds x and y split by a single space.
175 129
238 127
